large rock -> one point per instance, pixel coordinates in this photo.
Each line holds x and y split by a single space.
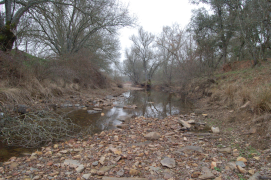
104 169
241 159
80 168
231 165
207 174
185 124
168 162
72 163
86 176
152 136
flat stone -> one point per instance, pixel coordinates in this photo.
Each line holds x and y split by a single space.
124 178
168 162
156 169
102 160
64 151
80 168
93 171
72 163
105 169
207 174
133 172
95 163
241 159
215 129
251 171
86 176
97 109
185 124
226 150
120 172
231 165
191 148
153 136
241 170
13 165
240 163
191 121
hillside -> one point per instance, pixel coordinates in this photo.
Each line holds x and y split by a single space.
238 101
26 79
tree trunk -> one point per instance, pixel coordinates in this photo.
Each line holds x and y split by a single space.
7 38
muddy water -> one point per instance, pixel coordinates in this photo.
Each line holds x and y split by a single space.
149 104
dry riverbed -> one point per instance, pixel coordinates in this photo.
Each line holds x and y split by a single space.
145 148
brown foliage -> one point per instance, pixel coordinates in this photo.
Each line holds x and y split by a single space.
23 78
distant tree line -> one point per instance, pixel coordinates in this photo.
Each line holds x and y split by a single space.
229 30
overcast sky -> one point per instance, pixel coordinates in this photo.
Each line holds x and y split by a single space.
154 14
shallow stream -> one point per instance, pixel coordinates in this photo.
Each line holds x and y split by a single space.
149 104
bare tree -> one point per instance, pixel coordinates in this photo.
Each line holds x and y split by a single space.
143 47
170 49
14 10
132 66
64 30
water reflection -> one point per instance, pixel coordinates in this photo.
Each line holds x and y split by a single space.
149 104
157 104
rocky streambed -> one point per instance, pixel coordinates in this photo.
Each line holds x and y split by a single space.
141 149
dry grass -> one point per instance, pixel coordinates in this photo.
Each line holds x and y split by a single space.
24 80
236 88
261 99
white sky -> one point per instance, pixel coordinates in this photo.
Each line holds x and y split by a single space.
153 15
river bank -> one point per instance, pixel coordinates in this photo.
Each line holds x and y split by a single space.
147 148
157 148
